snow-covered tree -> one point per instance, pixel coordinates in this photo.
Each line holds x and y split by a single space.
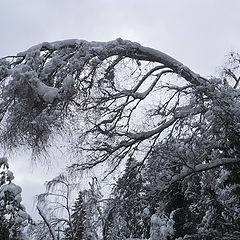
93 204
123 100
39 231
76 229
63 216
13 215
130 96
127 215
54 205
174 215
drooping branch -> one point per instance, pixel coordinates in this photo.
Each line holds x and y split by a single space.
53 78
121 98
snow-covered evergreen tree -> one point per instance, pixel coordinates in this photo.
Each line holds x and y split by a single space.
128 217
76 229
13 216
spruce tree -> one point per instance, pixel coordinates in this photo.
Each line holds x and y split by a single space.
13 216
127 207
76 228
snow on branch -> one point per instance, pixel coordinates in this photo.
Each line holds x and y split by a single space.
121 98
204 167
117 47
49 79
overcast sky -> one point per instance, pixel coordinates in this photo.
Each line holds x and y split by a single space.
197 32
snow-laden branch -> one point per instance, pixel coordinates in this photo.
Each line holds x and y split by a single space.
129 98
83 52
102 50
204 167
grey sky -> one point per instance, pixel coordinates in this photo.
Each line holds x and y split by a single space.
198 33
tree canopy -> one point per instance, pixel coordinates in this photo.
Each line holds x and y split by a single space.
118 97
119 100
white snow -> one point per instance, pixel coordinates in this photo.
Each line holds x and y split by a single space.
68 83
10 175
23 214
203 167
18 198
162 227
10 187
47 93
9 207
52 45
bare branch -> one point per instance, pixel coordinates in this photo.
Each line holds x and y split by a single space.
51 231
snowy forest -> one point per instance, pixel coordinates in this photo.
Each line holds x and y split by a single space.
166 138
